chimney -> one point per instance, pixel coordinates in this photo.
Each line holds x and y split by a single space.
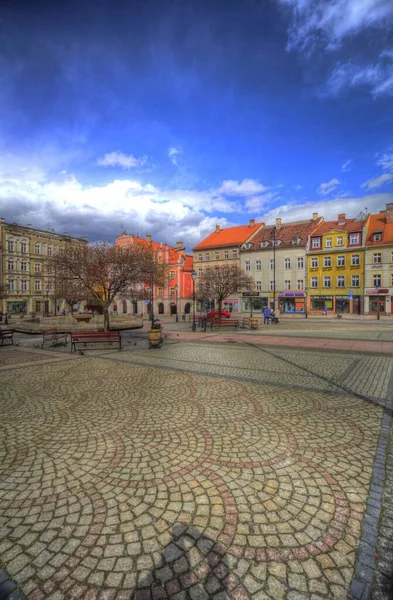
252 223
341 218
315 216
218 228
389 212
148 239
278 223
179 245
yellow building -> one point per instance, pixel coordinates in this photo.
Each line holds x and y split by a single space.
335 266
26 276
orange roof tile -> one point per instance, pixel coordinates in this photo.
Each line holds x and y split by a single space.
287 233
232 236
348 226
377 223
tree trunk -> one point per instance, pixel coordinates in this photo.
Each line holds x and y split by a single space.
219 308
106 318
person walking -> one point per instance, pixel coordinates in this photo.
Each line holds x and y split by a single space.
325 311
266 315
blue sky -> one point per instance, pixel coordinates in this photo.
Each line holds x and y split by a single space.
167 117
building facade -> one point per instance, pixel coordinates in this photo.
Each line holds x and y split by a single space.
276 260
379 263
223 248
176 295
335 265
26 274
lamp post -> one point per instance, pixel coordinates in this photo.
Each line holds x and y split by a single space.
47 300
273 238
177 315
378 307
151 295
305 302
194 276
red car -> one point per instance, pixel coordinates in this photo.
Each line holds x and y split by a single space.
214 313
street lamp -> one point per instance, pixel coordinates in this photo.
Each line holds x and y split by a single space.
378 307
273 238
305 302
194 276
47 300
151 295
177 315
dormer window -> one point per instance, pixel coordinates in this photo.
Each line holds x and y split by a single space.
354 238
247 246
277 242
377 237
264 244
316 243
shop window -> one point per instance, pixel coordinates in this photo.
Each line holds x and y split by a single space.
377 280
327 261
327 282
314 282
341 261
341 281
314 263
300 262
355 281
377 258
319 302
355 260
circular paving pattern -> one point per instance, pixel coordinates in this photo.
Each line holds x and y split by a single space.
147 483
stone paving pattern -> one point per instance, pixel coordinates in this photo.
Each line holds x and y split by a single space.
119 480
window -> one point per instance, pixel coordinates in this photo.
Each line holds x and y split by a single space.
50 251
259 286
23 247
277 242
37 267
248 265
172 291
377 237
328 242
300 284
216 256
200 271
287 284
159 258
23 266
314 282
49 269
341 281
271 285
314 263
10 246
207 255
160 291
271 264
341 261
23 285
327 282
339 240
354 238
37 306
37 285
327 261
315 243
355 281
11 284
10 265
36 248
377 258
172 275
200 257
234 253
258 265
287 263
377 281
226 254
355 260
300 262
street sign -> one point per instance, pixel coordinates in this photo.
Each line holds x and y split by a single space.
146 301
350 294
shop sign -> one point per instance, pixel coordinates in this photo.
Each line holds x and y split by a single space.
251 294
291 294
376 291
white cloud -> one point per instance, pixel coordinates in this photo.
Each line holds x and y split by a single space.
346 166
257 203
371 184
326 188
385 161
173 153
298 187
247 187
118 159
377 77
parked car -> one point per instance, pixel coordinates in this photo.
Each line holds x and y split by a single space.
214 313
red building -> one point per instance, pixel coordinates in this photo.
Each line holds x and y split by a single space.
175 297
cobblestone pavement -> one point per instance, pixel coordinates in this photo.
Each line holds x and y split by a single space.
195 471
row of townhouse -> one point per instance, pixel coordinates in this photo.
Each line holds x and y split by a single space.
303 266
27 279
175 296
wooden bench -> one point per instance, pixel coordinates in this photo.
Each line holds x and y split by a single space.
54 336
7 334
95 337
224 323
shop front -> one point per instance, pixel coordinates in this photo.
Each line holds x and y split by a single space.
231 304
317 303
17 307
378 301
291 302
253 302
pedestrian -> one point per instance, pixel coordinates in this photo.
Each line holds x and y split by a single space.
266 315
63 312
325 311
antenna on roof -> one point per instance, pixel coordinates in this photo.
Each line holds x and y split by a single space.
123 229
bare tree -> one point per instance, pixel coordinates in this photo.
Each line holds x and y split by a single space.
222 281
68 287
105 271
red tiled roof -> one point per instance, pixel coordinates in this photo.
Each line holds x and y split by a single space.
232 236
347 226
377 223
299 230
